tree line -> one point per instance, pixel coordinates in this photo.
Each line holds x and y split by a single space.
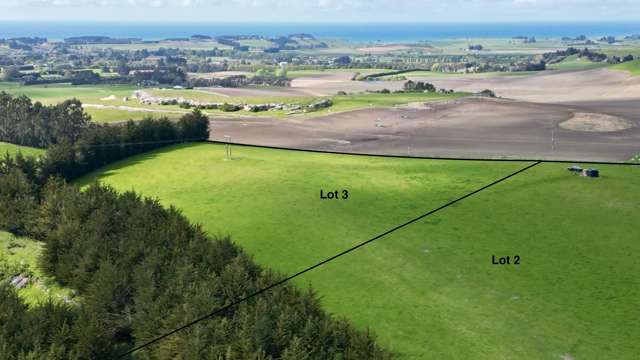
77 146
26 123
141 270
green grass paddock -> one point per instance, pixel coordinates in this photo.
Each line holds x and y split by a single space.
428 290
631 66
95 95
13 149
575 63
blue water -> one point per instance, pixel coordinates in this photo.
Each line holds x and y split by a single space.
355 32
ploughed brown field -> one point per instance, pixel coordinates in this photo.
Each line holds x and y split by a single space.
581 115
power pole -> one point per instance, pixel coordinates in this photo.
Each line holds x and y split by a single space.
227 147
553 137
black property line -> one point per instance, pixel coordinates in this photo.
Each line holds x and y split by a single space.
291 277
421 157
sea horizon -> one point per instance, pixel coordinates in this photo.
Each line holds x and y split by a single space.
356 32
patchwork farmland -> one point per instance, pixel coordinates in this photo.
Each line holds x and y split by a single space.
302 197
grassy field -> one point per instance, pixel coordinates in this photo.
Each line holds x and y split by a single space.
94 95
102 109
109 115
185 45
573 63
341 102
22 255
54 93
631 66
257 43
362 101
430 289
213 96
13 149
630 48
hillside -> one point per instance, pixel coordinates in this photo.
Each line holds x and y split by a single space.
429 290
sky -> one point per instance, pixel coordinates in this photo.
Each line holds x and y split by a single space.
321 10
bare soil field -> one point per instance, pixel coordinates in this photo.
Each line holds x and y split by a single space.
257 92
470 128
550 86
546 87
330 84
315 85
219 74
569 115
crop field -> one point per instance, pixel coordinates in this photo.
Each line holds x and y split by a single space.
20 256
13 149
429 290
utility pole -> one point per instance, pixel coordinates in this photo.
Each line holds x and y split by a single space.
227 147
553 137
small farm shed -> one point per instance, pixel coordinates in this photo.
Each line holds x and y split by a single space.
590 172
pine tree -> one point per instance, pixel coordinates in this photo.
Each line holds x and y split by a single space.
296 350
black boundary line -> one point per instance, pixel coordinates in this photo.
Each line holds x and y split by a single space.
345 252
421 157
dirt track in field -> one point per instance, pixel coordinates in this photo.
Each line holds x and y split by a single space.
524 124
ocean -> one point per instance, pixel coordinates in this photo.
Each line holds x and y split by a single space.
358 32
